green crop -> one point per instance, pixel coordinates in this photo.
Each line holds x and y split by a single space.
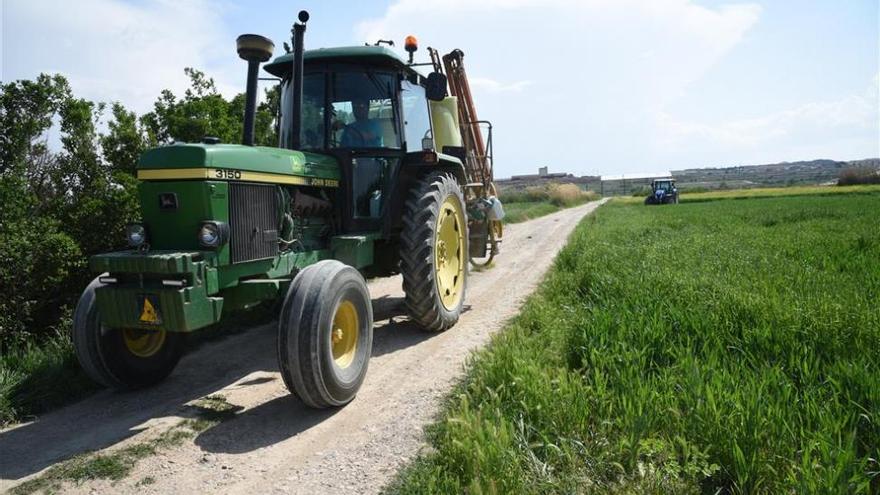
726 345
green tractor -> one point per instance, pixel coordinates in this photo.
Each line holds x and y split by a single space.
376 173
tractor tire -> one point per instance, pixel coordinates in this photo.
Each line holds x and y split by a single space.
434 252
122 359
325 334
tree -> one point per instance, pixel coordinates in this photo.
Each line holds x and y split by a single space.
58 206
203 111
26 112
265 128
36 256
126 140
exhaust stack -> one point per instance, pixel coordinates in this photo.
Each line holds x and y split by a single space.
254 49
299 31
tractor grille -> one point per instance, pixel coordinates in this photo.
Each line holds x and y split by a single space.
253 221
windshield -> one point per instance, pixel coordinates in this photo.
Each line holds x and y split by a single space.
665 185
359 110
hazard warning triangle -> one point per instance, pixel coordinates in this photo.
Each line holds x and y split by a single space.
149 314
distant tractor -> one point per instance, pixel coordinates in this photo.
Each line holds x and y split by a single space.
663 192
378 171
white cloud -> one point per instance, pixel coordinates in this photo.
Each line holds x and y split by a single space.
806 123
575 84
112 50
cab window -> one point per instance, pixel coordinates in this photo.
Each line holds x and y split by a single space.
416 117
312 130
362 111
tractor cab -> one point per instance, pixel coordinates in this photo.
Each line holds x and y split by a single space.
365 106
665 185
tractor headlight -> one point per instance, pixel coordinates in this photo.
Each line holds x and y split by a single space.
135 234
213 234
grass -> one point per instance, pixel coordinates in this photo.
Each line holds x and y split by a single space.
726 346
39 377
534 202
117 464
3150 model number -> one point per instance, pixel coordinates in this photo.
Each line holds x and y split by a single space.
227 174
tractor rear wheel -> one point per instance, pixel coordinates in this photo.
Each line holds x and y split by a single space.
434 252
123 359
325 334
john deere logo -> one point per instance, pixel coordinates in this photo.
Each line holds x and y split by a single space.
167 201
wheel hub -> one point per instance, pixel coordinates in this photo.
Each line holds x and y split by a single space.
344 334
143 343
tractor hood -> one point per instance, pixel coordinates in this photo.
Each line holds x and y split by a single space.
238 162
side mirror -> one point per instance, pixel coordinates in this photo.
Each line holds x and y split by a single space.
435 86
427 143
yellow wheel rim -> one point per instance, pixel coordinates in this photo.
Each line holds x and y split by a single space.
449 255
143 343
344 334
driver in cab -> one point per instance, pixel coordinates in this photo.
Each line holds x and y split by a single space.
363 132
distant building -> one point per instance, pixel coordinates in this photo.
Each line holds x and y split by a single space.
544 177
543 173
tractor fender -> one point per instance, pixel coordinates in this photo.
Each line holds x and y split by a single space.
410 174
445 163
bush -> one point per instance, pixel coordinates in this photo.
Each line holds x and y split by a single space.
532 194
858 175
641 191
569 195
556 194
37 261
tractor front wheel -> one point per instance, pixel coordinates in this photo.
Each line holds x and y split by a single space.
123 359
434 252
325 334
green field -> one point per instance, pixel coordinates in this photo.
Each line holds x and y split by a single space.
767 192
724 345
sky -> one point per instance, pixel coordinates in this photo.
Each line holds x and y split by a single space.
581 86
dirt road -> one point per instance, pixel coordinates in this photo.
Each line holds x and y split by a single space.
274 443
